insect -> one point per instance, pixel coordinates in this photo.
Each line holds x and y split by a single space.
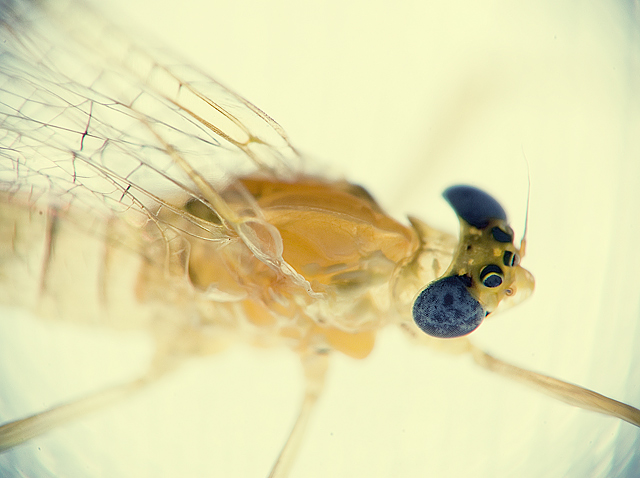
354 450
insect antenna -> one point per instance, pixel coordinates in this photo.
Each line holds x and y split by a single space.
523 241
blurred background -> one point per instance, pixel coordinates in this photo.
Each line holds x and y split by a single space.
404 98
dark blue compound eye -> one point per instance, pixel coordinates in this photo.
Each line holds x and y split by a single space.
474 206
445 309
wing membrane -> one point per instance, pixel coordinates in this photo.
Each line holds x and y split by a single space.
90 122
123 137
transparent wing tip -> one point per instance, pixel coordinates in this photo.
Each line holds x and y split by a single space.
474 206
446 309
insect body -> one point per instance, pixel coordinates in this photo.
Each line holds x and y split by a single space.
262 254
361 263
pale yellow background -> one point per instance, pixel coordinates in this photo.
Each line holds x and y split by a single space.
405 98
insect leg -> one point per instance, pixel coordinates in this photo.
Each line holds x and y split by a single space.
19 431
22 430
558 389
315 368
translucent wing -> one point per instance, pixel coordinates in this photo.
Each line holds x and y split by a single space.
91 122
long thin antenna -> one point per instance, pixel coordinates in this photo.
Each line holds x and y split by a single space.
523 241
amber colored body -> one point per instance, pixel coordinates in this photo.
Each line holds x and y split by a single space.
340 240
175 206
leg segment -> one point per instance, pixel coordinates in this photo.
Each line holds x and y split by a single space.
315 368
19 431
566 392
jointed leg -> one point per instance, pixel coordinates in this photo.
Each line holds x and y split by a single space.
22 430
19 431
567 392
315 368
